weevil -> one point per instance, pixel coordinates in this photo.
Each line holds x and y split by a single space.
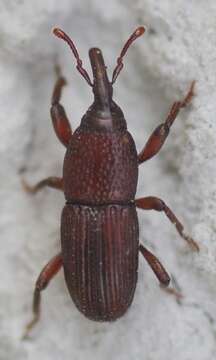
99 224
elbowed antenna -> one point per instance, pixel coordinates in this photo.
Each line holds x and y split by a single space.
137 33
62 35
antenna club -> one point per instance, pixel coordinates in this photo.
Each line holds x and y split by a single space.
58 32
139 31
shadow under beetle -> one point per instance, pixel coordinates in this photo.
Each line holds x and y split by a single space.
99 226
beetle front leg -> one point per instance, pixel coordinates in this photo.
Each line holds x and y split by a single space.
159 135
48 272
154 203
52 181
59 118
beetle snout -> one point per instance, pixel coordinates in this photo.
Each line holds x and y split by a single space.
98 66
102 88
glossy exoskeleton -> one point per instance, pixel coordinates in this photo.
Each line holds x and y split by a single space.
99 226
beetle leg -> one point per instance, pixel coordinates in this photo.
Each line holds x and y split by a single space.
52 181
160 134
172 291
160 272
156 266
48 272
154 203
59 118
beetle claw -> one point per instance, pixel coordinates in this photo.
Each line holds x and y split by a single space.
192 243
188 98
172 291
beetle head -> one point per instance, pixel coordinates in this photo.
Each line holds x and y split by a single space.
102 87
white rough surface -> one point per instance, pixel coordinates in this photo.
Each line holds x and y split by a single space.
179 46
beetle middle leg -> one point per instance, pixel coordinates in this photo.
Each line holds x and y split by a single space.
160 272
48 272
59 118
154 203
159 135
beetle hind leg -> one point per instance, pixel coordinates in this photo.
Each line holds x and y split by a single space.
48 272
156 266
160 272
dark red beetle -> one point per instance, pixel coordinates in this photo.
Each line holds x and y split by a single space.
99 226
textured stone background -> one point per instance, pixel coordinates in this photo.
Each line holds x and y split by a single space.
180 45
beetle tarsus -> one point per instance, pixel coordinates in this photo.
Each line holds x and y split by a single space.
36 317
172 291
192 243
188 98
